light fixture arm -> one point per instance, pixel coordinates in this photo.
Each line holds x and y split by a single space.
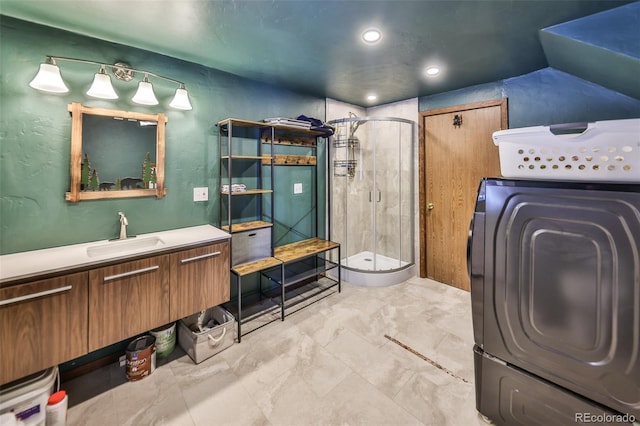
86 61
48 80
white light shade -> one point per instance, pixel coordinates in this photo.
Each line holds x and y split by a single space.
145 95
181 99
49 79
101 87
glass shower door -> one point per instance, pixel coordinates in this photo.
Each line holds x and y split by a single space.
386 196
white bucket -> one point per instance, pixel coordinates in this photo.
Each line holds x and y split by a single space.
27 398
165 339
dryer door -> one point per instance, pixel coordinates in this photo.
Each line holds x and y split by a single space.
565 288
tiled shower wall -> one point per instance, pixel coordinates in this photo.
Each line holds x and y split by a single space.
395 193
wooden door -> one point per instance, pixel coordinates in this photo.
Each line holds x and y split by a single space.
127 299
199 279
42 324
456 151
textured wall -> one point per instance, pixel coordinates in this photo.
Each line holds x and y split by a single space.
544 97
36 129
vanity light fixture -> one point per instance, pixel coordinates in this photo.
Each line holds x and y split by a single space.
371 36
48 79
101 87
181 99
145 95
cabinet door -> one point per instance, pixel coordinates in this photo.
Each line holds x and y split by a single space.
127 299
42 324
199 279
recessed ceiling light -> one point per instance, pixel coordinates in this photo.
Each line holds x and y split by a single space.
371 97
432 71
371 36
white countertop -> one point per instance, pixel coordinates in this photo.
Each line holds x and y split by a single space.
38 262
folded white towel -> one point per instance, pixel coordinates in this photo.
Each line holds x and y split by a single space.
236 187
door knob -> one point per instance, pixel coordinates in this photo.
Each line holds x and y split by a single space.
430 206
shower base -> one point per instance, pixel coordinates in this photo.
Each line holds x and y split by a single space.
359 270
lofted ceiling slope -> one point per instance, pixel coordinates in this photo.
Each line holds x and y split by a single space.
603 48
314 46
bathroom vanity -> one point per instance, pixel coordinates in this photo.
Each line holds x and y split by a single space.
61 303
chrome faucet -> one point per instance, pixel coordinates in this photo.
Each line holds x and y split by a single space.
123 226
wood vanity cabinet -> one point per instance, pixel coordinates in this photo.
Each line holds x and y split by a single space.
199 279
52 320
42 323
127 299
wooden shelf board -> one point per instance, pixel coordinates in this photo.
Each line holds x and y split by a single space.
247 226
248 192
304 248
255 266
248 157
293 140
292 160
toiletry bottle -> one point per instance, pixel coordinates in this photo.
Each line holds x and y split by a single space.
57 409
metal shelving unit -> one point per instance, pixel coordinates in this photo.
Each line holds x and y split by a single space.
296 272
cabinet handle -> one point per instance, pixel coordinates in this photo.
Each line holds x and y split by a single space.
202 256
34 295
128 274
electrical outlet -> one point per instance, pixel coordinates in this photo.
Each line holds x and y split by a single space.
201 194
297 188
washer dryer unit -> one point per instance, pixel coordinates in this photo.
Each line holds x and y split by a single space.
555 289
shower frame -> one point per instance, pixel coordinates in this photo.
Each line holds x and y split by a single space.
404 269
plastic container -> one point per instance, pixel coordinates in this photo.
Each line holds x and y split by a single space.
201 345
57 409
602 151
165 339
27 398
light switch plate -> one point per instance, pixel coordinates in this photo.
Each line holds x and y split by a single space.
201 194
297 188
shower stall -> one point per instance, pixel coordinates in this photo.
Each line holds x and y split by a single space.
372 198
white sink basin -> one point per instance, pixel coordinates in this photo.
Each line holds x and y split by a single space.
123 246
30 264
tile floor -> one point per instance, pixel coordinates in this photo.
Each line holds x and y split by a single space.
328 364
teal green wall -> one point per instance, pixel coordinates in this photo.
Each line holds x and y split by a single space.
36 128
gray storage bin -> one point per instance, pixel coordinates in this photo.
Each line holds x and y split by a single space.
201 345
248 246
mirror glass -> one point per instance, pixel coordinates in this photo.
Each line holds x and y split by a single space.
115 154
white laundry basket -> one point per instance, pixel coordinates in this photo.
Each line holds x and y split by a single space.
602 151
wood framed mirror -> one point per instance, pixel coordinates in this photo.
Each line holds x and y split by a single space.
115 154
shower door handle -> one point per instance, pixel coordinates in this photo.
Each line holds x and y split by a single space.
379 196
